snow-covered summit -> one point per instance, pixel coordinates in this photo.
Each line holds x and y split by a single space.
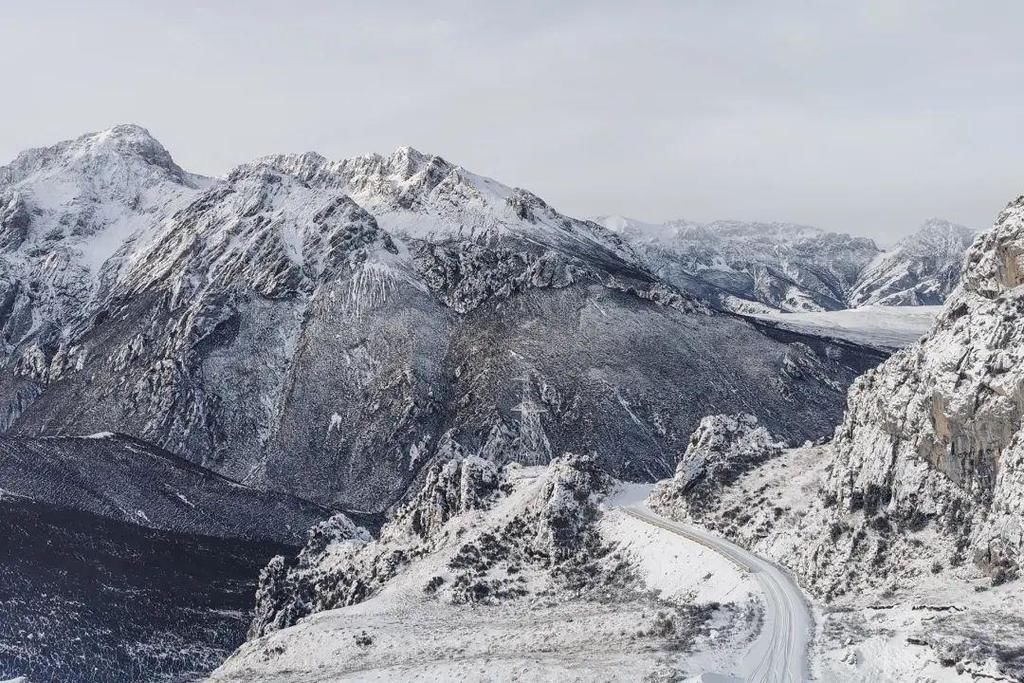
92 193
125 143
922 269
71 216
423 196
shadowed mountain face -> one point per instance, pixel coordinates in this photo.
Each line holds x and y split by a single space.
326 328
128 480
86 599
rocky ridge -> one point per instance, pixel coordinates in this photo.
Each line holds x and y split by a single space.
549 537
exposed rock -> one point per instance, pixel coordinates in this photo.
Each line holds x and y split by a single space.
546 523
934 434
721 449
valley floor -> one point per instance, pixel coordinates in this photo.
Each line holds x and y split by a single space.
886 327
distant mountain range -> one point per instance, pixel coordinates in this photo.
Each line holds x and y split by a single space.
769 267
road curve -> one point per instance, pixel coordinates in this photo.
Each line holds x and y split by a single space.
780 651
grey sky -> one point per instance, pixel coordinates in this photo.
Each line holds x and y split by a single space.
865 117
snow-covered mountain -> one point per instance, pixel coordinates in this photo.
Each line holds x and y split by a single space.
326 328
71 216
922 269
769 267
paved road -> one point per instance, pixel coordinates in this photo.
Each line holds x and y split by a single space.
780 651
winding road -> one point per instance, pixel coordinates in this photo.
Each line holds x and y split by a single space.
780 651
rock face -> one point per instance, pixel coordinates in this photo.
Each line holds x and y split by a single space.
328 328
721 449
768 267
921 270
542 525
127 480
933 436
71 215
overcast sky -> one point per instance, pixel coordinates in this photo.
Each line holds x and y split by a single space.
865 117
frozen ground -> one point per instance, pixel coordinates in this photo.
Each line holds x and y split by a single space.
888 327
779 652
690 611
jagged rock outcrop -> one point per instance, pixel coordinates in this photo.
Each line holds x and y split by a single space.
287 591
933 436
485 527
922 269
722 448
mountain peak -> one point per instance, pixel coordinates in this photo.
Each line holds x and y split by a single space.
130 140
119 144
410 153
938 236
941 226
123 131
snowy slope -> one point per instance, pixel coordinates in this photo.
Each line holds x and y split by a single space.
916 624
518 573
